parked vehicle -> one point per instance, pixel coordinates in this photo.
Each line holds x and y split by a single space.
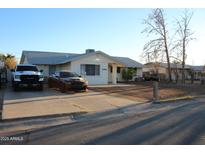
66 80
151 77
26 75
138 78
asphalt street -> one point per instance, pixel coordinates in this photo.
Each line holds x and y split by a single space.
170 123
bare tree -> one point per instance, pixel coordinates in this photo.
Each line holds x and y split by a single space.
156 25
184 34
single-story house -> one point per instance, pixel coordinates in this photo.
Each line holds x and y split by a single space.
162 70
96 66
198 71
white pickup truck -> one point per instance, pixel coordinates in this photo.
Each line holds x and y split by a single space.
26 75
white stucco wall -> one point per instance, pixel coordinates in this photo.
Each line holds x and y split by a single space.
139 72
97 59
150 68
65 67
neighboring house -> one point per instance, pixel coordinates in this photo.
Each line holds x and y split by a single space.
162 70
96 66
198 72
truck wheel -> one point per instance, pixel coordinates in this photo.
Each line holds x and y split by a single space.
49 83
41 87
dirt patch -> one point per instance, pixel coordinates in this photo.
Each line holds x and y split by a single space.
143 91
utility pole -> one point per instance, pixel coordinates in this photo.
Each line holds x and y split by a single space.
155 91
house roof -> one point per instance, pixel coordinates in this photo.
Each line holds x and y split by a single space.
50 58
171 65
54 58
128 62
195 68
198 68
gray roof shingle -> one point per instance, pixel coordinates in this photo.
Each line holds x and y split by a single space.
192 67
128 62
53 58
172 65
50 58
198 68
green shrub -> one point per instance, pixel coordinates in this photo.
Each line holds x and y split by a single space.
128 73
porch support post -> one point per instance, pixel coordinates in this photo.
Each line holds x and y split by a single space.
114 74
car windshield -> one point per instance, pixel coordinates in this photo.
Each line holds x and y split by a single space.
68 74
27 68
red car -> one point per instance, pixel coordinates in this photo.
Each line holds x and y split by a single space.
66 80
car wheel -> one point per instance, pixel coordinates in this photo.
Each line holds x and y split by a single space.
62 87
15 87
85 89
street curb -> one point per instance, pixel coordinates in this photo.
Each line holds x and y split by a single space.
71 115
174 100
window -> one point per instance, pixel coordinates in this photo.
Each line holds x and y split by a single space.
68 74
90 69
26 68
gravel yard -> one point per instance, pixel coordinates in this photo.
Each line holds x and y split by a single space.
143 91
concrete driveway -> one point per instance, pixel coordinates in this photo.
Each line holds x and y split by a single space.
31 103
180 122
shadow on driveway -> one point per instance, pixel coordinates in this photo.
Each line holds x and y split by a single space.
180 125
171 127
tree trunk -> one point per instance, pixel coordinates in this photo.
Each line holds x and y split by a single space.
168 60
176 76
169 68
167 51
192 77
183 62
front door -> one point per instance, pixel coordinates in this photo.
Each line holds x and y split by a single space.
52 69
109 74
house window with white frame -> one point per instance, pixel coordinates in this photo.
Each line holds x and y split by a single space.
90 69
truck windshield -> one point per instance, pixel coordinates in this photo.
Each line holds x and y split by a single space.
26 68
68 74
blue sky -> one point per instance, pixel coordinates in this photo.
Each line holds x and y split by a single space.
114 31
